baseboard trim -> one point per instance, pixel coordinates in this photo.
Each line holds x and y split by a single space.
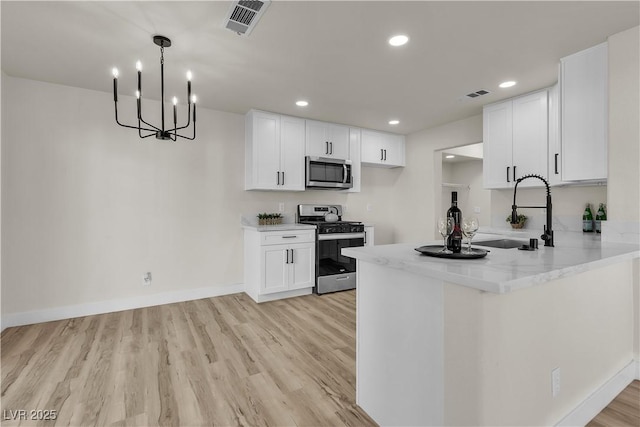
110 306
600 398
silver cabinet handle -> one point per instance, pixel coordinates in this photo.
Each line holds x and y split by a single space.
344 175
342 278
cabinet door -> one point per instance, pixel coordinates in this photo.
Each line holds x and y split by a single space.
497 138
338 141
275 269
554 150
530 137
584 87
371 147
266 149
393 146
292 134
302 265
317 141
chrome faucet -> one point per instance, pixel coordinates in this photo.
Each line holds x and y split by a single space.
548 231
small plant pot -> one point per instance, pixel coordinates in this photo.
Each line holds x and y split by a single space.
518 225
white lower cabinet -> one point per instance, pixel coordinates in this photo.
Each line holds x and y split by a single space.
279 264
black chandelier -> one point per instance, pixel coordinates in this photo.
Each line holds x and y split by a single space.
159 132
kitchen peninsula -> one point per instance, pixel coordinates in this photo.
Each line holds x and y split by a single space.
477 342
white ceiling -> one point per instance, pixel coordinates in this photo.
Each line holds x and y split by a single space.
334 54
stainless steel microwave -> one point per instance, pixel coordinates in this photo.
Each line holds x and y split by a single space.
328 174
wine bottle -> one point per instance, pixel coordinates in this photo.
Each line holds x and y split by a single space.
600 216
454 241
587 220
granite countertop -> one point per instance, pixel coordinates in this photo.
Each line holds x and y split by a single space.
503 270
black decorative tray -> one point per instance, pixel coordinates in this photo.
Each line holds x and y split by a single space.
436 251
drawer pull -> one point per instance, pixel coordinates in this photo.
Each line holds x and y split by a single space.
289 237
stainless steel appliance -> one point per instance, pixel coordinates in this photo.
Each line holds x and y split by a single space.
334 272
328 174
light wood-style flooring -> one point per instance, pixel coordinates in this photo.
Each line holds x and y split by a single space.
624 411
220 361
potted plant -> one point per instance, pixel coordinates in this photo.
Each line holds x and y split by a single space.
521 220
269 218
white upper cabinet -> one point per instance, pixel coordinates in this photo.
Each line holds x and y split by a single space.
382 149
274 158
327 140
515 136
584 115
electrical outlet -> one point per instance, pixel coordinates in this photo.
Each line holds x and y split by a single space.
555 382
369 207
281 207
476 209
146 279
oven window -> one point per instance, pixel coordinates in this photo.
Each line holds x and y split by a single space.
331 262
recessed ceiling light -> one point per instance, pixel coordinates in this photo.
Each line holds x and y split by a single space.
449 156
302 103
398 40
507 84
394 122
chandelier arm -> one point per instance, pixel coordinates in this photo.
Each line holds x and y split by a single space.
188 118
129 126
140 119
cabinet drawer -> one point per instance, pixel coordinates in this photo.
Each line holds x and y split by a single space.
285 237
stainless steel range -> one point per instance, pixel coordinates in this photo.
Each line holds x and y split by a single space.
334 272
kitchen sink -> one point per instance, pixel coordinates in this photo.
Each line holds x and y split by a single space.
501 243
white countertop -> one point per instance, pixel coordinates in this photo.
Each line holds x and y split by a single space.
503 270
279 227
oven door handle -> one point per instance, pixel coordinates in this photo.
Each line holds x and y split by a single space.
340 236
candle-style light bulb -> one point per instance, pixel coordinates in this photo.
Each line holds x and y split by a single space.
138 94
193 99
115 84
189 75
175 112
139 66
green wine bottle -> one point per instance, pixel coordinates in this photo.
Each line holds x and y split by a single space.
587 220
600 216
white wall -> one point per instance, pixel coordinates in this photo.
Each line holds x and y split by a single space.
417 200
469 174
624 151
88 207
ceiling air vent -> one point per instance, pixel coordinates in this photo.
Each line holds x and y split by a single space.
476 93
243 15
